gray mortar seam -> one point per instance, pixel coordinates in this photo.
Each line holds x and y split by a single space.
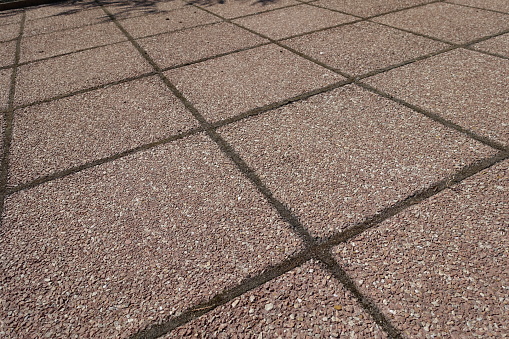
476 49
437 118
320 250
377 15
470 6
8 124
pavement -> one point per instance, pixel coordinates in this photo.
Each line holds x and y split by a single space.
255 169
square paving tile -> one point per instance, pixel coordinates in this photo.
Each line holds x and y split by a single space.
456 24
196 43
303 303
294 20
72 131
499 45
166 22
101 253
5 86
226 86
128 9
234 8
49 78
47 45
362 47
10 17
339 157
466 87
439 269
58 9
65 21
366 8
9 32
496 5
7 53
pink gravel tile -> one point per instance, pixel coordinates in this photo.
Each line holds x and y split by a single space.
363 47
463 86
449 22
176 48
101 253
499 45
5 85
294 20
58 9
128 9
496 5
9 32
49 78
72 131
439 269
10 17
339 157
65 21
303 303
47 45
366 8
7 53
234 8
166 22
232 84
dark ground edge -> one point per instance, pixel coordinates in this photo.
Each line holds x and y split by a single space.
8 117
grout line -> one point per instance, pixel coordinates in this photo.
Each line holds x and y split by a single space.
8 123
156 330
97 162
367 304
436 117
413 199
471 48
470 6
85 90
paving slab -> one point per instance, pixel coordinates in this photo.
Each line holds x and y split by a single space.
5 87
440 267
128 9
62 42
235 8
65 74
72 131
197 43
10 17
496 5
342 156
107 250
465 87
453 23
145 25
7 53
227 86
286 22
498 45
367 8
303 303
363 47
9 32
65 21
